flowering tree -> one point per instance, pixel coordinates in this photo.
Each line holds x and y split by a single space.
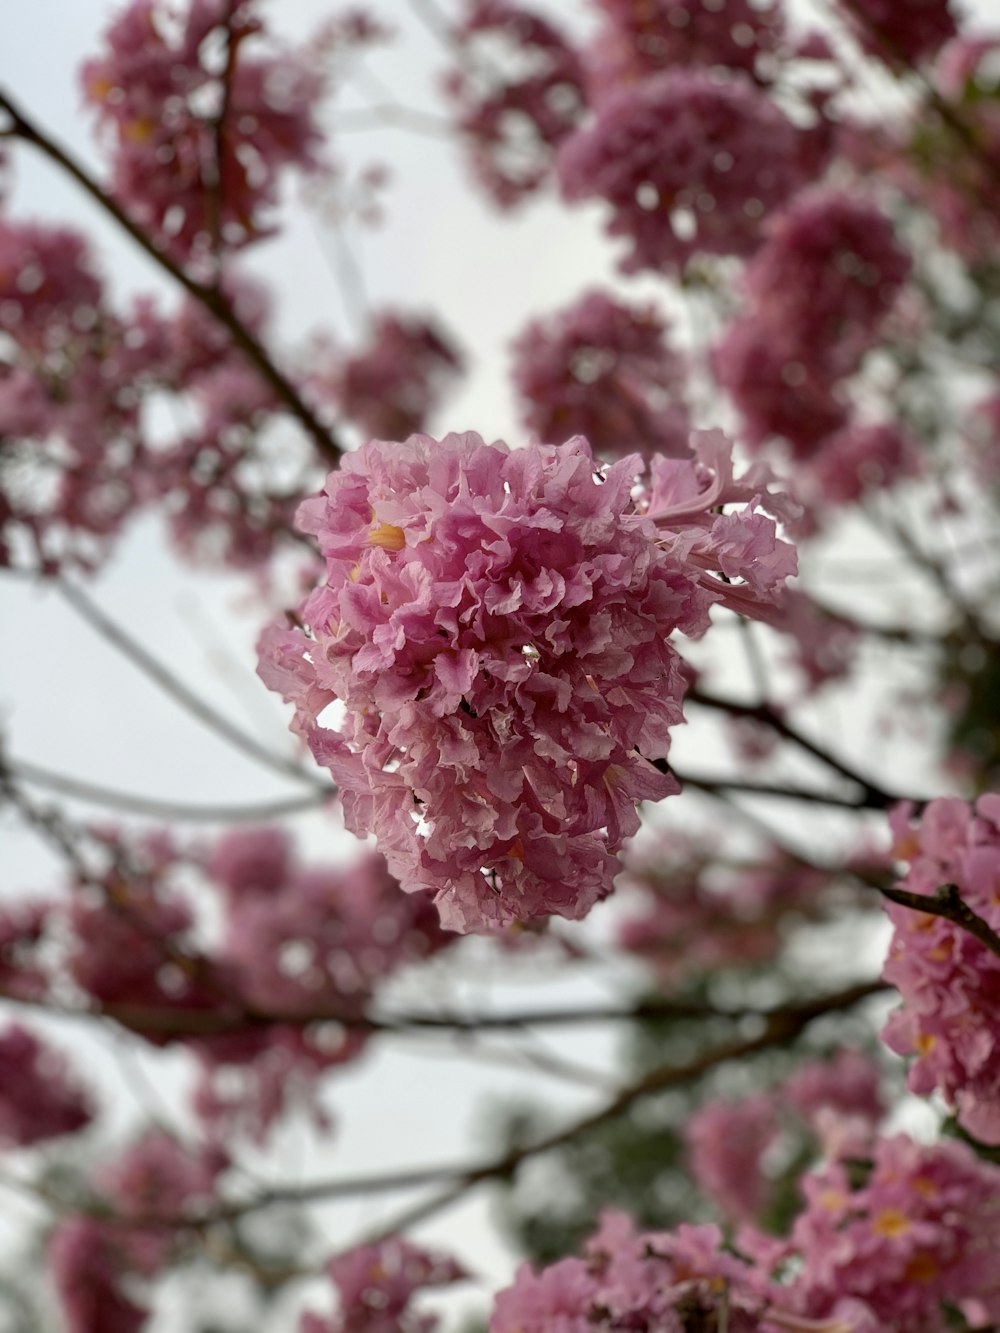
607 700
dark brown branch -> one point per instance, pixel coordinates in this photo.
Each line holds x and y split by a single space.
715 786
947 903
211 297
874 797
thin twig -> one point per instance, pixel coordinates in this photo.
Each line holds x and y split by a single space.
173 686
875 797
160 808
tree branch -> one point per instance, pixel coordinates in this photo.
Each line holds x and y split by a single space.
179 692
946 903
211 297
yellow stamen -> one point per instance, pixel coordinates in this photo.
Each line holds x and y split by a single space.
388 536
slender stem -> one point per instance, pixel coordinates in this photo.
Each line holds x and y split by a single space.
713 786
159 808
211 297
875 797
176 689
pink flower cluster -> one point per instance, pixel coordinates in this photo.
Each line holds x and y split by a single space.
922 1229
38 1098
98 1263
68 400
949 982
820 289
265 990
495 624
902 32
689 164
919 1232
199 132
835 1103
299 942
641 37
376 1284
604 370
518 99
390 389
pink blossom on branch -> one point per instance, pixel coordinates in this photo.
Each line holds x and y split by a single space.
820 288
39 1099
518 92
642 37
949 982
495 624
391 387
604 370
159 92
689 165
376 1284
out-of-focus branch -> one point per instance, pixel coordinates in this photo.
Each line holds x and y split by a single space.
211 297
715 786
874 797
179 692
161 808
782 1027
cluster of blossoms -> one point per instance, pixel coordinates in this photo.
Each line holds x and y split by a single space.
198 132
69 395
38 1099
604 370
79 383
820 289
949 981
836 1103
300 943
390 388
640 37
902 32
495 623
99 1264
689 164
919 1232
922 1230
376 1284
265 1009
515 100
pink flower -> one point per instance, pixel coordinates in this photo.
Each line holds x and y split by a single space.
158 93
39 1099
376 1284
923 1228
726 1141
96 1263
514 110
641 37
495 624
902 32
948 981
604 370
390 389
688 164
820 288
